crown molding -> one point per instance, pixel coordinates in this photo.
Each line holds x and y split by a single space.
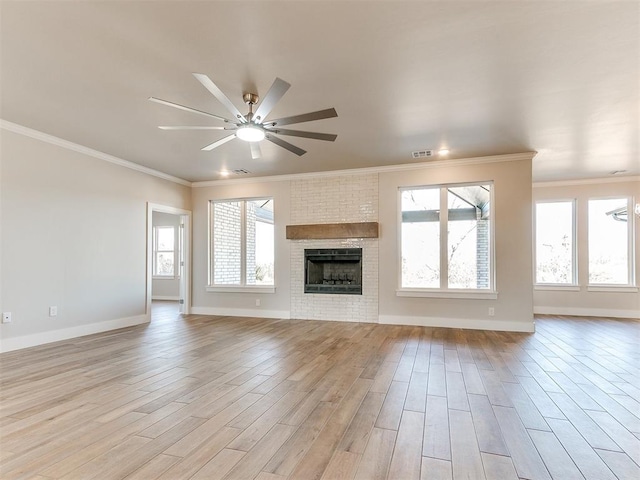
53 140
511 157
586 181
45 137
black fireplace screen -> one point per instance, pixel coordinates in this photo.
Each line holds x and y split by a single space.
333 270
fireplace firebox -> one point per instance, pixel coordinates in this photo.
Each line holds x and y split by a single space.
333 270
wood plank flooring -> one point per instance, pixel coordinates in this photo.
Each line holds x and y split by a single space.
246 398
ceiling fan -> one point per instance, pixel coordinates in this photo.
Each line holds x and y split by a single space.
253 127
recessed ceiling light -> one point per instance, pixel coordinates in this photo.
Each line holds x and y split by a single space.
224 173
443 151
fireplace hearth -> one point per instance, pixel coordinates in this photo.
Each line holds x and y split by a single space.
333 270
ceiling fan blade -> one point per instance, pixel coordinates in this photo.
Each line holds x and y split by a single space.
194 127
188 109
305 117
217 143
286 145
216 92
329 137
275 93
256 153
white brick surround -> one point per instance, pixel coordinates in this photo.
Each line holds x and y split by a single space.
349 198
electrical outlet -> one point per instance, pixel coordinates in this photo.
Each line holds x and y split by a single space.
6 317
492 311
53 311
257 302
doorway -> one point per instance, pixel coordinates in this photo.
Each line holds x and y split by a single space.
168 256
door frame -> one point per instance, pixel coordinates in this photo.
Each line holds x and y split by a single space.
185 278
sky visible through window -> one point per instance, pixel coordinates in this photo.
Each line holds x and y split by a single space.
165 245
468 245
421 241
554 242
264 253
608 242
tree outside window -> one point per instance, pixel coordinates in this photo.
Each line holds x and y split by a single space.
555 250
609 231
447 248
163 251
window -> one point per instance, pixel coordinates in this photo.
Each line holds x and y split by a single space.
610 242
242 247
421 238
163 251
555 243
446 248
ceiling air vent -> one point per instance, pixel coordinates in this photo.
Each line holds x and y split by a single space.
241 171
422 154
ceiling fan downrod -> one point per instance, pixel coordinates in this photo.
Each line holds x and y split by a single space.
250 99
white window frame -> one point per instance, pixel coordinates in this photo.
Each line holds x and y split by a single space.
156 275
444 291
630 286
575 285
243 287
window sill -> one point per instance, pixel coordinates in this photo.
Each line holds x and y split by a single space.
556 287
612 288
471 294
164 277
241 288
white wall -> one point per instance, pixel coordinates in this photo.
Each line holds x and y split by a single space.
584 302
73 236
512 212
512 218
272 305
166 288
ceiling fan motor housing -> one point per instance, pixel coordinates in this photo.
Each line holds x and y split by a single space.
250 98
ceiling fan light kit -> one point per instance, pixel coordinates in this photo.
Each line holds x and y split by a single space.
250 133
251 127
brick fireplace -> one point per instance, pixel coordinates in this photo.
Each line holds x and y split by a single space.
335 199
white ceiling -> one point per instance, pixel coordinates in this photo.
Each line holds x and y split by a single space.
481 78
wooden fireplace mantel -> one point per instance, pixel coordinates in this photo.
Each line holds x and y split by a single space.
332 230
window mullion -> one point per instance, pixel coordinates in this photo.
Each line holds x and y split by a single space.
155 251
211 239
574 242
243 243
444 239
631 273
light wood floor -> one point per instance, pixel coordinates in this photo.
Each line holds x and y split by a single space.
243 398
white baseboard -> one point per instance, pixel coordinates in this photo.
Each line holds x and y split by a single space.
466 323
26 341
346 320
241 312
169 298
587 312
474 324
